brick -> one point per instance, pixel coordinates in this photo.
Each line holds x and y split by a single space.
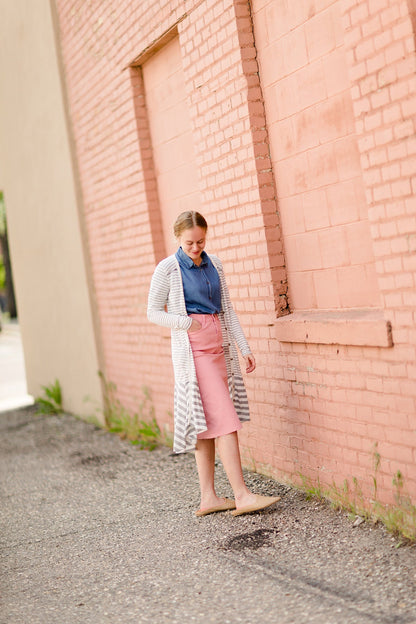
332 168
368 85
364 49
389 15
372 121
292 177
303 252
326 288
322 166
360 12
405 68
372 26
347 158
335 71
376 63
284 98
408 167
292 215
334 247
401 187
383 136
408 107
310 84
394 52
357 286
315 210
380 98
396 150
304 129
295 51
302 291
335 118
359 242
378 156
320 34
390 171
367 142
358 71
399 90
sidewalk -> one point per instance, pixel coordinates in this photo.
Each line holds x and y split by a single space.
94 531
13 391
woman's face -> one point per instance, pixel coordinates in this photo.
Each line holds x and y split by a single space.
192 242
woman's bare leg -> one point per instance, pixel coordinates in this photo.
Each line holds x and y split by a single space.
231 460
205 462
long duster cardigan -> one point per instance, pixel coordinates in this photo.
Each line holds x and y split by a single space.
166 289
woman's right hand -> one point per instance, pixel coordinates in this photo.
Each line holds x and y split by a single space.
195 326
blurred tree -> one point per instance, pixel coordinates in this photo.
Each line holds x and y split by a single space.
4 248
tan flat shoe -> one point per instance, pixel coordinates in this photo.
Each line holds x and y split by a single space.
261 503
225 506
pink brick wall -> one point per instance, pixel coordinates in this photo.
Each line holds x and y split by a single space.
304 147
315 155
171 137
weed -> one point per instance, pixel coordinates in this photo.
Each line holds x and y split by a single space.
308 486
376 463
95 418
399 519
140 428
149 435
52 404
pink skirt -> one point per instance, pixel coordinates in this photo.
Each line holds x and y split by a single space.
206 343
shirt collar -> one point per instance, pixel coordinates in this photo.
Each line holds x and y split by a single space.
187 262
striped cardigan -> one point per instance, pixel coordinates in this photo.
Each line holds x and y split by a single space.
166 289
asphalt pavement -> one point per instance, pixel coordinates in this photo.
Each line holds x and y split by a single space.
95 530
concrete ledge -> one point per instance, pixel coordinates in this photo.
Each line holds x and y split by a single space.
347 327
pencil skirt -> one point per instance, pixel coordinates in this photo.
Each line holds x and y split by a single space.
206 343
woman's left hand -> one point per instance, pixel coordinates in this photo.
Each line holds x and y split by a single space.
250 363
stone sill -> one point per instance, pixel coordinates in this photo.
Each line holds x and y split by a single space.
366 328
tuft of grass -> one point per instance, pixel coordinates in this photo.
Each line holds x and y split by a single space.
349 498
149 435
140 428
51 403
310 488
398 518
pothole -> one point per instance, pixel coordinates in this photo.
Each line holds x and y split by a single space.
253 541
97 460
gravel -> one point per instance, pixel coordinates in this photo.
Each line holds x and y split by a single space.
94 530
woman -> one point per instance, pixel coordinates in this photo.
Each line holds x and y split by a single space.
210 398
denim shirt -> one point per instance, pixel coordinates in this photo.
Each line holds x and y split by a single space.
201 284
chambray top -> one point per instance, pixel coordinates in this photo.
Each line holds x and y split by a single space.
166 290
201 284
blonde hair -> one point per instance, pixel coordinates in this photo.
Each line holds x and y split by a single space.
187 220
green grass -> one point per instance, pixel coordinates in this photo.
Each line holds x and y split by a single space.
398 518
51 402
140 428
